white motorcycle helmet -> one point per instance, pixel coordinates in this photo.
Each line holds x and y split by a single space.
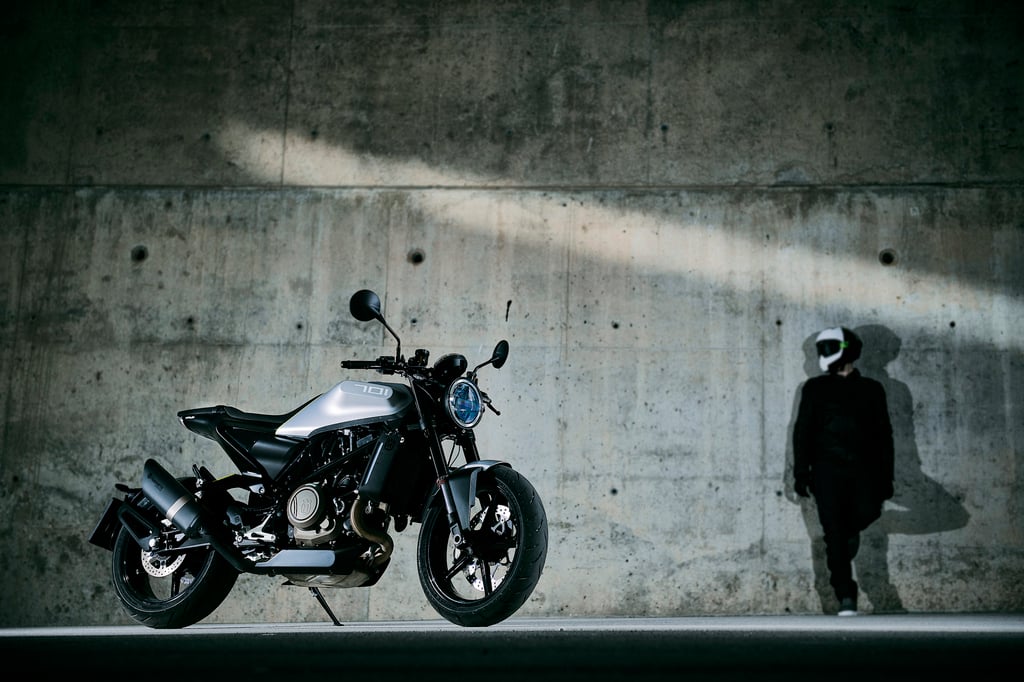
836 347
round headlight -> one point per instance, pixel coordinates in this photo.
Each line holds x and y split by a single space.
464 404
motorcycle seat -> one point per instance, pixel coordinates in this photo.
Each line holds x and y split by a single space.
205 420
264 420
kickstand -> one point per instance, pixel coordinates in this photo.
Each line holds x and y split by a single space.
323 603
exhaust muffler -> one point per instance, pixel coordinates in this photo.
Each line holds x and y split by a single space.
172 498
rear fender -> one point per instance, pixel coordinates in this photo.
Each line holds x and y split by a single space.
125 514
109 525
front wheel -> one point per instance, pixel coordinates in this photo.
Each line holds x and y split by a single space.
170 590
493 573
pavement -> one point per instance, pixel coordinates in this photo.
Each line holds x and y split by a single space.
867 648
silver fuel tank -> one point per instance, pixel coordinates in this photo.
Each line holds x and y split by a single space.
348 403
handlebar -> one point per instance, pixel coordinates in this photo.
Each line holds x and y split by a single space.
359 364
385 364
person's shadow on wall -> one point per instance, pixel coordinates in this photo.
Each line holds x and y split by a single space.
919 506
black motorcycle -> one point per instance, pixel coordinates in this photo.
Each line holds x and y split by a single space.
318 489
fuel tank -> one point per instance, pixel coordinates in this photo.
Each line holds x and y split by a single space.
349 403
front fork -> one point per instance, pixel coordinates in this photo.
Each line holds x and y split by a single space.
458 486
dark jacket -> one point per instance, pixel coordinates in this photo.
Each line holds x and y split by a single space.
844 420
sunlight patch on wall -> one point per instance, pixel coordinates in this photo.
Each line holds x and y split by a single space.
644 243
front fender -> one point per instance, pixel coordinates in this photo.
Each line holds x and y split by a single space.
461 485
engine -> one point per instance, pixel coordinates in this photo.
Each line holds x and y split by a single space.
318 512
309 514
329 513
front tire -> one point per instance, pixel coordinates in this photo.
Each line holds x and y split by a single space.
488 579
169 591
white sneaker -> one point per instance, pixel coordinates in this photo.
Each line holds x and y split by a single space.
848 607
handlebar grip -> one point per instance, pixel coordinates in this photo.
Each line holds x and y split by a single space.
358 364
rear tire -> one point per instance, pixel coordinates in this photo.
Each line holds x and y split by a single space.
169 591
509 541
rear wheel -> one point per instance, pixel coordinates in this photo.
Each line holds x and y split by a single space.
498 566
169 590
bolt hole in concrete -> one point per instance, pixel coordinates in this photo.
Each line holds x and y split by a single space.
416 256
139 254
887 257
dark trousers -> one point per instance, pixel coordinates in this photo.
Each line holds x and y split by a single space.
847 504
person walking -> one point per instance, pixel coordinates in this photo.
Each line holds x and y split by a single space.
843 454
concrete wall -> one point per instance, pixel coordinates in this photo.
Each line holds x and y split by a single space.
657 203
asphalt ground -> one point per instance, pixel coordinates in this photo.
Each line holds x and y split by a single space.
867 648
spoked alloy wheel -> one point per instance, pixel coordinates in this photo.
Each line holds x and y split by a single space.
488 579
169 590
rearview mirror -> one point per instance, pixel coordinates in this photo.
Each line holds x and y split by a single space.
365 305
500 354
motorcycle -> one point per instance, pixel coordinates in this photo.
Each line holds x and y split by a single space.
319 489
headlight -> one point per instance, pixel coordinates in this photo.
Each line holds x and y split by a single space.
463 403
